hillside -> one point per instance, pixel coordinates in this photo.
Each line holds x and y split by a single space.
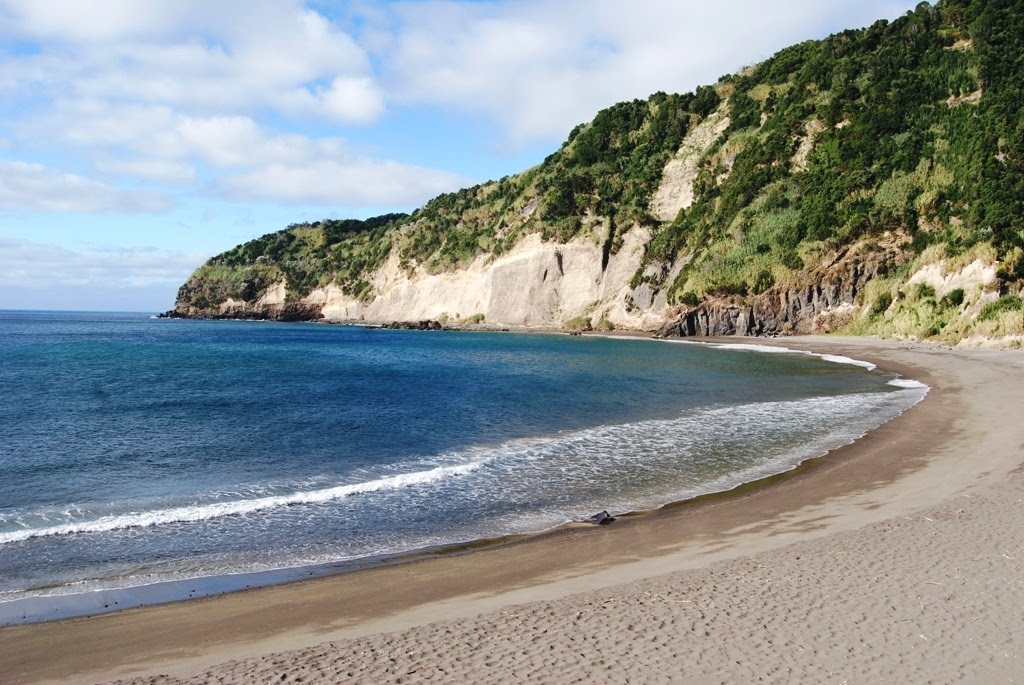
871 182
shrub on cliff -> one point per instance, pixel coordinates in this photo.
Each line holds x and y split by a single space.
1006 303
579 323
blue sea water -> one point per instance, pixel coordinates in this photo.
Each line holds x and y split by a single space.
136 451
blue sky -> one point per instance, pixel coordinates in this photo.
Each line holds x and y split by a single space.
137 139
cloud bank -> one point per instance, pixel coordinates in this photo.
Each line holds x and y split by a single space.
42 276
537 68
27 264
130 101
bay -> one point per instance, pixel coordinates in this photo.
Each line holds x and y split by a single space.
137 451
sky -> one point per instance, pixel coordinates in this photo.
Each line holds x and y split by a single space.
138 139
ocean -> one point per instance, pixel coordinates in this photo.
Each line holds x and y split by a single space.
146 459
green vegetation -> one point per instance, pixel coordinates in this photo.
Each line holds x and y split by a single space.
907 133
612 166
901 146
954 298
1006 303
306 255
579 323
883 302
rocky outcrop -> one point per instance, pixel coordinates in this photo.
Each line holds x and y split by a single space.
830 296
536 283
676 190
427 325
292 311
718 318
551 284
569 285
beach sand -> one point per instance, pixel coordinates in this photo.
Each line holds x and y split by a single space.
899 558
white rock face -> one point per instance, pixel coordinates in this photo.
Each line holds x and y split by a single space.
969 99
275 296
811 130
676 189
535 284
975 276
231 303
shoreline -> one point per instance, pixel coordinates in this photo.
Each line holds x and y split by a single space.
910 463
107 600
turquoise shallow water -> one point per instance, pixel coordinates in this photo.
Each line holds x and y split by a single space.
137 451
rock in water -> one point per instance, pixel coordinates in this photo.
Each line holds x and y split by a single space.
426 325
602 519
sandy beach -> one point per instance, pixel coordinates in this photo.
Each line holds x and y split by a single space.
899 558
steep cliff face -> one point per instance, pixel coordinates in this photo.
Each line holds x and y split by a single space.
676 191
535 284
823 300
870 183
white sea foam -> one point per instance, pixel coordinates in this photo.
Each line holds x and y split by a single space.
840 359
835 358
202 512
773 349
906 383
749 347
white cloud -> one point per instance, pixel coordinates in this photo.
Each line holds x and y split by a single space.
159 132
36 188
245 160
161 171
351 99
89 20
181 92
354 182
91 125
37 275
243 101
27 264
538 68
223 141
197 56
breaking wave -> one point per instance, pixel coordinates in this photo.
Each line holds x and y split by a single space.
674 452
203 512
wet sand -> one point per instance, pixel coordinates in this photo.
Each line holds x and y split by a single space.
897 558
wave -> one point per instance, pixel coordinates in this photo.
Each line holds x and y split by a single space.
203 512
907 383
771 349
835 358
670 451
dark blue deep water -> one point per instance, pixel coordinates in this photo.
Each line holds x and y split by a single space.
136 451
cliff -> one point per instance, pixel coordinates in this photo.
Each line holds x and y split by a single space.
871 182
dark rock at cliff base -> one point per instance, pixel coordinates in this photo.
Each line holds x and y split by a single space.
426 325
299 312
712 319
288 312
814 307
